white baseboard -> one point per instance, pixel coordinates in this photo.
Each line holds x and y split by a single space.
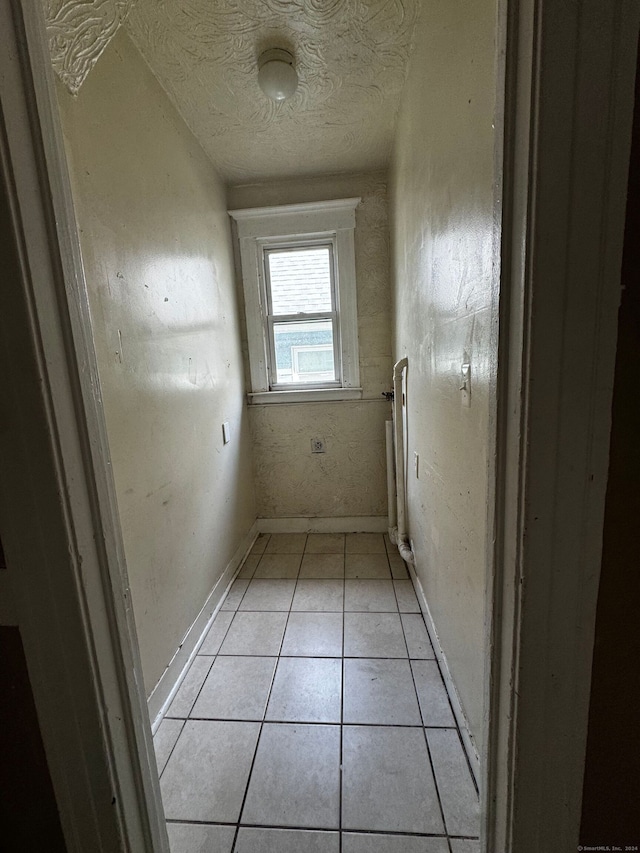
449 683
305 524
167 687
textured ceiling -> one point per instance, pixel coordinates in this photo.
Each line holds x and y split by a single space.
78 31
351 58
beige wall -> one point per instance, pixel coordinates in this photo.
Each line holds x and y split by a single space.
349 479
157 254
445 313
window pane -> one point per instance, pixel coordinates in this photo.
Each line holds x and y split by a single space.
304 352
300 280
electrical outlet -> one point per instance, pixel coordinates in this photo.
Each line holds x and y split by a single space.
317 445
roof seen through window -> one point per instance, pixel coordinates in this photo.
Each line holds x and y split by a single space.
300 280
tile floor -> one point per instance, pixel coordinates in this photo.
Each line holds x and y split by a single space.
314 718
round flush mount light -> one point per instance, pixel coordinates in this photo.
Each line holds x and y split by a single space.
276 75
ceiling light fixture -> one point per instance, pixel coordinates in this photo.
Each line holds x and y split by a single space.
277 75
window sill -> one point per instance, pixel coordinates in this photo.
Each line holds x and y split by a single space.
314 395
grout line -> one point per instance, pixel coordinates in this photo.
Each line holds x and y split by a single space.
413 680
166 715
457 727
174 745
464 752
424 733
341 780
184 719
444 683
224 637
454 699
193 704
263 721
315 722
323 829
286 609
213 660
266 705
337 657
435 780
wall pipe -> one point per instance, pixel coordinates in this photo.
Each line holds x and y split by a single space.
399 534
391 482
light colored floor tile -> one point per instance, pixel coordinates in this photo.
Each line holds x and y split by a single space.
370 566
465 845
286 543
237 688
365 543
373 596
407 601
325 543
164 740
325 595
314 635
249 566
306 690
353 842
190 687
278 566
373 635
296 777
251 840
399 569
398 566
254 634
457 792
380 692
234 596
268 595
434 702
200 838
207 773
417 637
387 783
260 544
215 635
322 566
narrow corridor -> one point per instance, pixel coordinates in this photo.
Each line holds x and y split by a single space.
314 717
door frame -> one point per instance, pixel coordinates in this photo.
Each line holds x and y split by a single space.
568 93
66 585
560 214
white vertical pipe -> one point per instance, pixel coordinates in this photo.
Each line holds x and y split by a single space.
399 442
402 541
391 482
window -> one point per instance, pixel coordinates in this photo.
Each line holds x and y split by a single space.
302 317
298 271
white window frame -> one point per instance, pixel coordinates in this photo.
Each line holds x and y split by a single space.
272 319
300 225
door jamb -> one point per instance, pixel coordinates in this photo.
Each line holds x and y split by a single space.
568 87
66 575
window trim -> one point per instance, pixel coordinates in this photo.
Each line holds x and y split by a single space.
303 224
